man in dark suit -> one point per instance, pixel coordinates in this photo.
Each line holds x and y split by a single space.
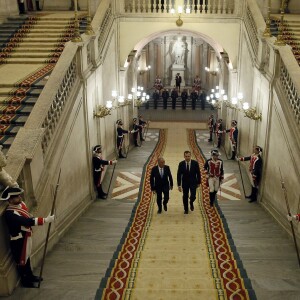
161 182
188 179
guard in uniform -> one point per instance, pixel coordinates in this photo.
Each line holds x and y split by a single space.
165 95
155 98
178 81
184 96
219 132
120 137
255 169
211 126
174 96
194 97
233 136
98 167
136 129
215 174
142 124
19 222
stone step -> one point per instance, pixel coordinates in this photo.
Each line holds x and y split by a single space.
22 49
34 91
9 130
6 140
15 109
32 55
13 119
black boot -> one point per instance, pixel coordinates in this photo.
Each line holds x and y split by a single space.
254 195
101 194
21 8
211 199
120 154
233 155
37 4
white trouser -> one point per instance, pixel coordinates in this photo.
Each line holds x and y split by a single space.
214 184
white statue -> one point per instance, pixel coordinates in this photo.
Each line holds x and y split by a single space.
178 52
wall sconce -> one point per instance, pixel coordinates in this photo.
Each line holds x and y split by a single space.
250 112
103 111
138 96
145 70
213 73
217 97
179 21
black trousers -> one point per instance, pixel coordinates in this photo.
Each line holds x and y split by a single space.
188 191
25 273
173 103
159 194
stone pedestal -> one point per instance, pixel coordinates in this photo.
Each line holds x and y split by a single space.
178 69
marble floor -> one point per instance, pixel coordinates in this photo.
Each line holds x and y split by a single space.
75 266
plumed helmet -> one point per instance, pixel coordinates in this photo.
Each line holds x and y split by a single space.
234 122
119 122
97 147
215 152
11 191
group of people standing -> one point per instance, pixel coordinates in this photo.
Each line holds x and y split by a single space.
29 5
255 166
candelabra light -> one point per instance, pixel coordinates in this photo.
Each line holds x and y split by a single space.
89 29
280 41
216 97
103 111
212 72
142 71
267 32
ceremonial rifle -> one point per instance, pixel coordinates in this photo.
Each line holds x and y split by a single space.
289 213
112 175
241 177
49 227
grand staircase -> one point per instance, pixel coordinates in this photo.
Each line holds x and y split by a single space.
291 32
29 49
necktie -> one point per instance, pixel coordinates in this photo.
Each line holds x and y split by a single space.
161 172
188 167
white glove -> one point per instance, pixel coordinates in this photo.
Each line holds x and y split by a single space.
132 131
49 219
114 162
290 218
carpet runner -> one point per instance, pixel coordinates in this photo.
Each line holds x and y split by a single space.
29 49
173 255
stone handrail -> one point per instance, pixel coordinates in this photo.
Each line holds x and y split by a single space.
208 6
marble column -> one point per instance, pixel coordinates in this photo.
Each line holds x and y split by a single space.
205 79
152 62
190 61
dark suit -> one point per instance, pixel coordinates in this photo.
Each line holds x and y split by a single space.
161 184
188 180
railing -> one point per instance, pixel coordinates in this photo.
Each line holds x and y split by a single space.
290 84
194 6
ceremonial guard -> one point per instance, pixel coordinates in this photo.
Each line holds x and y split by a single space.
157 83
120 137
255 169
184 96
136 129
296 217
233 136
211 126
19 222
155 98
98 168
219 132
194 97
178 81
142 124
202 100
197 84
165 95
215 175
174 96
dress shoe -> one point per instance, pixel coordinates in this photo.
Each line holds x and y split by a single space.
165 207
192 206
102 197
159 211
249 197
186 212
142 139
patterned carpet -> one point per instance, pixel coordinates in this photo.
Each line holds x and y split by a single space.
173 255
